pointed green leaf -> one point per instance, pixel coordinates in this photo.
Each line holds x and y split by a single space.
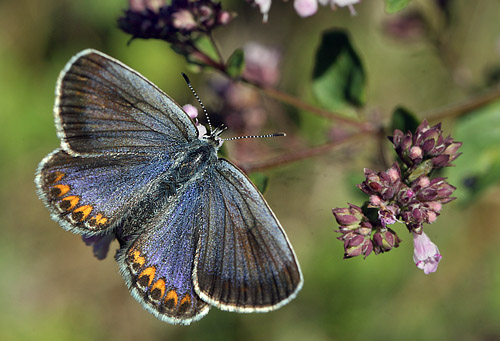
236 63
393 6
338 77
404 120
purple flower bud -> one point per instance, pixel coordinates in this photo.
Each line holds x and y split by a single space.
434 206
440 161
143 5
385 240
427 146
224 18
375 200
348 218
426 254
452 149
184 20
430 217
358 245
416 153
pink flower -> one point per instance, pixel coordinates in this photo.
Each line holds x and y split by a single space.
190 110
193 114
426 254
306 8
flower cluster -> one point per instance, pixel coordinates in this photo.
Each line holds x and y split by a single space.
426 150
404 194
306 8
181 23
357 233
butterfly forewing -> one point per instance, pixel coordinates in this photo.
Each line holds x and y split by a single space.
102 106
89 195
244 261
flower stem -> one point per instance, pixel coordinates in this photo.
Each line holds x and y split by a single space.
296 102
300 155
457 110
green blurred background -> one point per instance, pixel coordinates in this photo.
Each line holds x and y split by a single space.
52 288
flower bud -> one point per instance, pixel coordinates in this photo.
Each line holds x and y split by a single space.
384 240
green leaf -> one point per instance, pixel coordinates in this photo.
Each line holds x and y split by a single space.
404 120
338 77
236 63
479 166
260 180
393 6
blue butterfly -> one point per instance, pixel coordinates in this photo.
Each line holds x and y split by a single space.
194 232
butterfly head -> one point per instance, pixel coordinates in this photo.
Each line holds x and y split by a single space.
213 137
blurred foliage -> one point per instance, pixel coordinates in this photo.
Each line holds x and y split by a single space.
236 63
52 288
404 120
393 6
479 166
338 76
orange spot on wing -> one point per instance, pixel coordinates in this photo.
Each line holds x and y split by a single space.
98 219
57 176
85 209
186 299
63 189
150 272
172 295
137 258
73 201
160 284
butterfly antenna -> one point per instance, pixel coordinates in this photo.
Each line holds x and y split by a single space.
198 99
254 136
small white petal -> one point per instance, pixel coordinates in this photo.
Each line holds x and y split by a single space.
305 8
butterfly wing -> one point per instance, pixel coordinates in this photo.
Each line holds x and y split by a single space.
118 133
244 260
158 263
90 195
103 106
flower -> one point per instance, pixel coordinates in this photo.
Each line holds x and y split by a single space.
306 8
261 64
179 23
193 114
426 254
100 244
427 199
191 111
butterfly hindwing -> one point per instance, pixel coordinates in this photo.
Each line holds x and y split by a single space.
158 263
244 261
103 106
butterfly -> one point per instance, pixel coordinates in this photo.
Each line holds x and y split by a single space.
194 231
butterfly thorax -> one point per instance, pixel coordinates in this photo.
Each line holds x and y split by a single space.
191 162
